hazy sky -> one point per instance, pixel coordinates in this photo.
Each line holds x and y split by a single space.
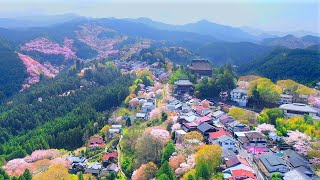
277 15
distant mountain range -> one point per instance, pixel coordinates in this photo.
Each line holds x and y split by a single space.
57 41
204 27
236 53
207 30
269 34
292 42
37 21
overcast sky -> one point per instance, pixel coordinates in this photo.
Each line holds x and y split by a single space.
276 15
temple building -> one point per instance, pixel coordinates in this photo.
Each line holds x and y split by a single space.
201 67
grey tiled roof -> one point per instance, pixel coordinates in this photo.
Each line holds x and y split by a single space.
204 127
298 107
300 173
228 153
200 65
183 82
76 159
273 163
294 159
94 168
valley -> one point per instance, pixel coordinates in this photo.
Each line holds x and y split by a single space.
108 98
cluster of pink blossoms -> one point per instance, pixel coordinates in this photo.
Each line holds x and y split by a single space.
42 154
186 166
134 102
266 128
315 101
46 46
175 126
155 113
299 140
34 68
16 167
159 133
89 34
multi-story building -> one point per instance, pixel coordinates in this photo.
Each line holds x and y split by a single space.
183 86
239 96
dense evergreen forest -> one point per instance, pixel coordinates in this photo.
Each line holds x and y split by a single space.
154 54
301 65
236 53
12 71
61 112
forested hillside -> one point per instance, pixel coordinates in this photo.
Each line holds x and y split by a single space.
12 71
301 65
235 53
61 112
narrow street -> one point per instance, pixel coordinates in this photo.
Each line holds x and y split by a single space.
249 158
119 158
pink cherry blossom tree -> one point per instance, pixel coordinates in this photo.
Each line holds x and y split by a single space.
134 102
175 127
186 166
150 95
16 167
315 101
158 132
299 140
155 113
266 128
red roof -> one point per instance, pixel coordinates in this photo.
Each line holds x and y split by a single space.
243 161
96 142
242 173
224 117
107 156
237 160
203 119
217 134
199 107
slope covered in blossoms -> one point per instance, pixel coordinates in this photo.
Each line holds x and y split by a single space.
46 46
38 161
89 34
34 68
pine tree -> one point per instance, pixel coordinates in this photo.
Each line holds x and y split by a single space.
128 122
163 177
21 178
166 169
27 174
112 176
4 174
202 170
190 177
80 176
167 152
